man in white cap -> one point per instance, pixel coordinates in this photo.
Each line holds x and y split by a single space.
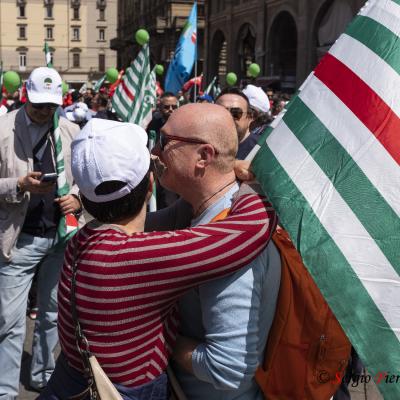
37 200
245 107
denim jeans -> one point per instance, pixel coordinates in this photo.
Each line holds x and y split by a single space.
15 281
67 382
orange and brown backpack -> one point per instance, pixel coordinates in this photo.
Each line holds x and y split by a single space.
307 351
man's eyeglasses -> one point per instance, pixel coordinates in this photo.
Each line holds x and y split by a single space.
236 112
164 139
168 106
41 106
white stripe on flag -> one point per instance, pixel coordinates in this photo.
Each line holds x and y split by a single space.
373 159
386 12
125 97
132 81
141 95
374 71
138 64
120 104
133 76
357 246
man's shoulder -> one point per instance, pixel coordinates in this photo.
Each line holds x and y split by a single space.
68 127
156 123
10 116
7 123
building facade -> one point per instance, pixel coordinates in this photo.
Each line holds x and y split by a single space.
285 37
164 20
78 33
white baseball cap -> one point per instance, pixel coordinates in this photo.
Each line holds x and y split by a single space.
44 85
78 114
257 98
105 151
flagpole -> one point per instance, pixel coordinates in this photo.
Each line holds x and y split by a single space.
195 85
195 63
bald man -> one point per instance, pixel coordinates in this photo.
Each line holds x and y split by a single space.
224 324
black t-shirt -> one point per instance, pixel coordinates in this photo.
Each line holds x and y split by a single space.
156 124
247 145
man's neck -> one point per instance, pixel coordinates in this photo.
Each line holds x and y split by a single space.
209 192
245 136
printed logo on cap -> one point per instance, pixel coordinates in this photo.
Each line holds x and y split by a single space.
47 83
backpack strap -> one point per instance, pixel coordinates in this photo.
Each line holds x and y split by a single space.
222 215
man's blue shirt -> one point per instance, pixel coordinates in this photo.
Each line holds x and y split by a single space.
231 316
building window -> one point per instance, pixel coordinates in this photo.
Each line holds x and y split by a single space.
21 10
102 62
76 60
22 32
76 12
22 61
52 58
102 14
49 32
49 10
102 34
75 34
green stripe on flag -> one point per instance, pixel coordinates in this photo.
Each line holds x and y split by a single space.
137 72
332 158
139 82
396 1
129 77
122 99
370 334
377 38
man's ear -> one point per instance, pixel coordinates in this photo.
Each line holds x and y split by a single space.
206 154
150 187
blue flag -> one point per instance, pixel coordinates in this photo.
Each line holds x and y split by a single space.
181 66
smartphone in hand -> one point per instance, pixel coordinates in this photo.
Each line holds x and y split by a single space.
49 177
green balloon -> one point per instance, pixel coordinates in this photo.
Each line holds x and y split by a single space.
254 70
142 36
231 78
65 88
112 75
11 81
159 69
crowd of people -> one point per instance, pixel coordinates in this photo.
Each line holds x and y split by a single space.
190 288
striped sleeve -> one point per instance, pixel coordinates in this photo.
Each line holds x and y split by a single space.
178 260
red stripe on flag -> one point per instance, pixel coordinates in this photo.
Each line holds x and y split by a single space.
369 108
127 91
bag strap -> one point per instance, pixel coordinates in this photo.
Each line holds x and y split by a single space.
82 343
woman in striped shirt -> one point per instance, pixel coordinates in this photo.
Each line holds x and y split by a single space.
128 281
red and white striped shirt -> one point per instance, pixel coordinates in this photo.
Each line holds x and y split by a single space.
127 285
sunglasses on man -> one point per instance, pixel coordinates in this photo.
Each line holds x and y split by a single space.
236 112
164 139
41 106
168 106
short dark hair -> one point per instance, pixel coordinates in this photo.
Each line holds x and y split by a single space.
102 99
168 94
234 90
75 96
116 210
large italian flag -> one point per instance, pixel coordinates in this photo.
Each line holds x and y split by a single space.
331 169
